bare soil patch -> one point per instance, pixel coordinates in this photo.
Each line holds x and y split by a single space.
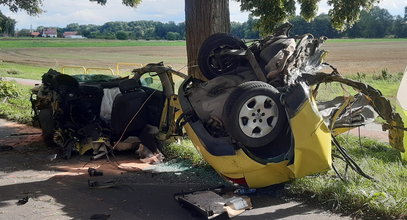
367 57
348 57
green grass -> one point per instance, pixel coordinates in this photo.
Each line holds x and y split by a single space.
184 151
22 71
367 40
17 109
46 42
41 42
385 198
386 82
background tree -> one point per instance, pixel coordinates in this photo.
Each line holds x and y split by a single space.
272 12
121 35
24 33
7 25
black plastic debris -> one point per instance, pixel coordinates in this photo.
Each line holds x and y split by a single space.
5 148
101 185
100 216
94 172
22 201
214 202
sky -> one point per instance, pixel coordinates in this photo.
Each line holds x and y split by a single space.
59 13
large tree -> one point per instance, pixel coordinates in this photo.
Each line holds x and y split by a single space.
205 17
7 25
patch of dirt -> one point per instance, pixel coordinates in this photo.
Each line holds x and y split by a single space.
14 134
95 57
352 57
367 57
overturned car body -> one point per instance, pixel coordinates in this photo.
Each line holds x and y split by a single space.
255 120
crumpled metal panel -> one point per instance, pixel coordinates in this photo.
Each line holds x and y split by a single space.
347 112
379 103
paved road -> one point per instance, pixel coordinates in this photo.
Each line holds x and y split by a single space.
58 189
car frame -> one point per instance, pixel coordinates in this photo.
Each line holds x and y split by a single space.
256 158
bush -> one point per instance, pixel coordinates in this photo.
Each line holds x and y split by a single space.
15 104
173 36
13 72
122 35
8 89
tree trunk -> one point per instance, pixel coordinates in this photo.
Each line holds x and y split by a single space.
203 18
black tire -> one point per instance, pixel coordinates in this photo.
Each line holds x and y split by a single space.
253 114
47 125
210 62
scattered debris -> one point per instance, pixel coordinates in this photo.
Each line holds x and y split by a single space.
22 201
100 216
101 185
245 191
5 148
211 204
131 167
146 156
94 172
144 152
52 157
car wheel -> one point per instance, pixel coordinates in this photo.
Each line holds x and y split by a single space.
47 126
253 114
210 60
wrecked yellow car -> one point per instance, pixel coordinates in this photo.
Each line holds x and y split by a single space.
255 120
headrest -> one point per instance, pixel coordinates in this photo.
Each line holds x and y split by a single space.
128 85
65 83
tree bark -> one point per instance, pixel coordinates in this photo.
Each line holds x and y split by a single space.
202 19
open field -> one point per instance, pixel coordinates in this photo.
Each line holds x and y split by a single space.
348 55
48 42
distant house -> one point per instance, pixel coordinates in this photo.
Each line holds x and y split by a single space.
72 34
35 34
49 32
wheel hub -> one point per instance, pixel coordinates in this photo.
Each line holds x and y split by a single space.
258 116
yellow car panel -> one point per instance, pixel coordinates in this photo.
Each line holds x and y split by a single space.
312 142
403 114
226 165
312 153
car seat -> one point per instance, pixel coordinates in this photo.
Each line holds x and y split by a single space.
125 107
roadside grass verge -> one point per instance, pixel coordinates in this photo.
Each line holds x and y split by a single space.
385 198
41 42
16 107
